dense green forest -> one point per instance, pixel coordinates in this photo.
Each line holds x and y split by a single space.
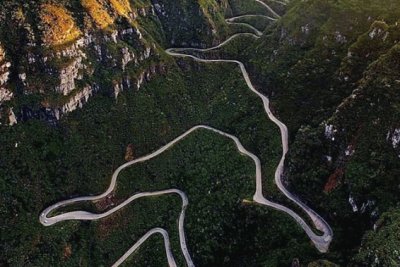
331 69
82 152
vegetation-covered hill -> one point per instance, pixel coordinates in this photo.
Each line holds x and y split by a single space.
332 70
330 67
55 55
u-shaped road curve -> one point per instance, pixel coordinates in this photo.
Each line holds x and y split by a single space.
321 242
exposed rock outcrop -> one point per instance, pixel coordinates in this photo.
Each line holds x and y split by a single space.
85 56
5 94
68 76
11 118
393 137
76 101
69 52
144 76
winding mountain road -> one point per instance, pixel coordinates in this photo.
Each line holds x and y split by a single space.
268 8
321 242
250 16
231 21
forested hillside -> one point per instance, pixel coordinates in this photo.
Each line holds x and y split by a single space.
86 85
332 70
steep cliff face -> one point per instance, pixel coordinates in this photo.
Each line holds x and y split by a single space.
5 94
59 54
6 114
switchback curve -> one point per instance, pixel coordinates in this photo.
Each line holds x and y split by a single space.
321 242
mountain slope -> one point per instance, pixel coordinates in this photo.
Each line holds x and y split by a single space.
56 55
332 70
